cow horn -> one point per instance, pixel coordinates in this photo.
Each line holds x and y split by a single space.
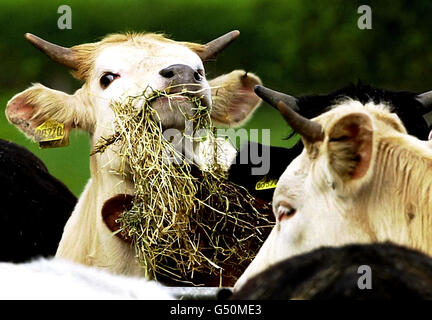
308 129
213 48
56 53
273 97
425 98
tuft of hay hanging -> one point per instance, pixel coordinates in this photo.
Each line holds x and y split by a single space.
185 224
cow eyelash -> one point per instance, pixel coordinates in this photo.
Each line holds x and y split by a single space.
107 78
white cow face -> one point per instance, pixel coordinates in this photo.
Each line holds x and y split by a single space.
319 196
124 65
129 69
310 212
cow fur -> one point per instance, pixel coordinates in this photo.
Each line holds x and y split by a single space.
334 273
35 206
57 279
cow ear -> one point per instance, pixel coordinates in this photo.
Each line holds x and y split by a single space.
350 146
32 107
233 97
111 211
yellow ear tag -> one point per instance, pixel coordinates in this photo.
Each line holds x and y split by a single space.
51 134
266 183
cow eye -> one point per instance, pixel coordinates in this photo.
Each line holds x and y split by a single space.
107 78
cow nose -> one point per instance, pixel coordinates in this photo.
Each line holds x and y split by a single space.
179 74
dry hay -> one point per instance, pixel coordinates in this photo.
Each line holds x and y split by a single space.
183 220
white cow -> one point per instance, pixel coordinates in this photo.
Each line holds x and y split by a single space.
125 65
57 279
360 179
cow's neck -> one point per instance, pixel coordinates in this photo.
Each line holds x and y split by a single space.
401 206
86 239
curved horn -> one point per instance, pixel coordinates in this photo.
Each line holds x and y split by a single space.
213 48
273 97
56 53
425 98
308 129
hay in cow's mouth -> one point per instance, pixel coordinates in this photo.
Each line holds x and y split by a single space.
183 220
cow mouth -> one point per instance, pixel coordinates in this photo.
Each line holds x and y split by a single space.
182 94
180 109
173 98
183 98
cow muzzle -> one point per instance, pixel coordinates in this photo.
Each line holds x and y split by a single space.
186 81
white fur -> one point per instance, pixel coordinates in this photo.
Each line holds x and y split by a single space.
56 279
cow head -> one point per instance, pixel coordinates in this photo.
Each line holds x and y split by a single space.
129 64
359 179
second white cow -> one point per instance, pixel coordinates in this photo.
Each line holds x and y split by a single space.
360 179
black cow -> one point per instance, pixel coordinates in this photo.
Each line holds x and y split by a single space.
34 206
394 272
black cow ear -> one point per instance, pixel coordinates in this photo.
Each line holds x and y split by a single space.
111 211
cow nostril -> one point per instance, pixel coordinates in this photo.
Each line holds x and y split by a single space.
166 73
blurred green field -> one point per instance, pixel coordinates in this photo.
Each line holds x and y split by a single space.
296 46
